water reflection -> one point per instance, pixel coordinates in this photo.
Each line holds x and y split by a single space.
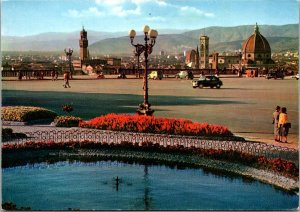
147 198
111 185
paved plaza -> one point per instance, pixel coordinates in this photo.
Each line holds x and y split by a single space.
244 105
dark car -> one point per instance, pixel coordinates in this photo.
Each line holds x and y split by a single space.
275 75
207 81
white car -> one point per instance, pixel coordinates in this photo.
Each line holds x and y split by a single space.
296 76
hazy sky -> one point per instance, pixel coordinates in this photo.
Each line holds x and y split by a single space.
28 17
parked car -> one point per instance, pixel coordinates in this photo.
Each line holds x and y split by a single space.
121 76
155 75
296 76
207 81
275 75
184 75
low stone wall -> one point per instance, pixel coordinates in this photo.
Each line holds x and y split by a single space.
80 134
24 123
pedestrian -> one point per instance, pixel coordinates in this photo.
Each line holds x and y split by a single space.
275 123
283 125
20 75
66 79
56 75
53 75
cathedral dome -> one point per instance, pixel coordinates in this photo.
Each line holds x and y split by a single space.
256 43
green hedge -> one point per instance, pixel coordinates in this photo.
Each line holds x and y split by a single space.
24 113
67 121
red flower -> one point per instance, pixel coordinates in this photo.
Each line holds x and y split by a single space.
149 124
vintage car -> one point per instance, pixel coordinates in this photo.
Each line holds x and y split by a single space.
184 75
296 76
275 75
155 75
207 81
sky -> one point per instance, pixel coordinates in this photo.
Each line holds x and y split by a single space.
29 17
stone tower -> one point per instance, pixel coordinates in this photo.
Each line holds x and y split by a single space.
204 52
83 43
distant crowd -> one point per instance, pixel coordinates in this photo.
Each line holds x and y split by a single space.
36 75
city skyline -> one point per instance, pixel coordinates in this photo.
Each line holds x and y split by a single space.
37 16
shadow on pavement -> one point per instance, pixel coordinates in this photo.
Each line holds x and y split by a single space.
90 105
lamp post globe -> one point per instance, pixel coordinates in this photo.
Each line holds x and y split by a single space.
132 33
146 29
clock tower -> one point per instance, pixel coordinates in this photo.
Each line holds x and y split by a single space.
83 43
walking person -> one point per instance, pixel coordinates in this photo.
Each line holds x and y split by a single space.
56 75
53 75
275 123
283 125
66 79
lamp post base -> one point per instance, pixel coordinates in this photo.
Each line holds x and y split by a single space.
144 110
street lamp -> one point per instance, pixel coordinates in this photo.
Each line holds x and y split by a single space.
150 35
240 66
138 51
69 52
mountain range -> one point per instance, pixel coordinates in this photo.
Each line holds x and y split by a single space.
281 38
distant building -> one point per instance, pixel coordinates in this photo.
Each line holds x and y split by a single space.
83 43
225 61
204 52
197 59
113 61
190 58
215 61
256 50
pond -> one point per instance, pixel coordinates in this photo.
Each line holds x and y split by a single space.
93 186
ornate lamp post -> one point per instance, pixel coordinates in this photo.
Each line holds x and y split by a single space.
69 52
138 51
150 35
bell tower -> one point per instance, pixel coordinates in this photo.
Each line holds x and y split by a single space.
204 51
83 43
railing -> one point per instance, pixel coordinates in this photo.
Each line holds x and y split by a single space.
254 148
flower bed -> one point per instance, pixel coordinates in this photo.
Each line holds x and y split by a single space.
67 121
24 113
148 124
278 165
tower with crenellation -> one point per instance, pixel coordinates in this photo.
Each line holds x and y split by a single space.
83 43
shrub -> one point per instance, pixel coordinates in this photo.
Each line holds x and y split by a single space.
7 132
24 113
67 108
67 121
149 124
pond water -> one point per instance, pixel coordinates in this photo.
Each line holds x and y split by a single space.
92 186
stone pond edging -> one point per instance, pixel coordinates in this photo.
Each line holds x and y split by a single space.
221 166
81 134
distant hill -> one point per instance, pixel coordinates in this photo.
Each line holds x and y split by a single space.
222 39
51 41
58 41
227 34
